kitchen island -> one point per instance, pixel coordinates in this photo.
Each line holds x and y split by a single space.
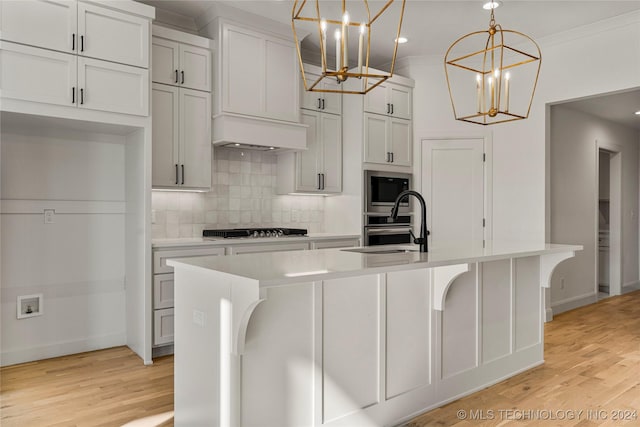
353 337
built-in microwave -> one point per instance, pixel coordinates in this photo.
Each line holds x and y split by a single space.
382 189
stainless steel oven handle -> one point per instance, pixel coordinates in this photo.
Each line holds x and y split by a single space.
387 230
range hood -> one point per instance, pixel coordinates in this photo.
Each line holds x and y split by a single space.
256 133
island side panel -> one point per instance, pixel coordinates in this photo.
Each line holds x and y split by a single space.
198 323
491 326
278 363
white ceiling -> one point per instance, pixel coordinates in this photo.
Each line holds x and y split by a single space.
432 26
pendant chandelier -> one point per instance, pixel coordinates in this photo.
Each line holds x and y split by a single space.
492 75
344 39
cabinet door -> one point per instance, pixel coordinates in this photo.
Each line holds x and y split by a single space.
38 75
165 135
327 102
400 99
49 24
195 139
195 67
165 58
375 138
107 86
308 161
113 36
280 87
331 133
375 101
400 141
242 75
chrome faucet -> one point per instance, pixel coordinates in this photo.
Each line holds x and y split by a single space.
422 240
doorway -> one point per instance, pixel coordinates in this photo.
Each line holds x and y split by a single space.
609 221
457 186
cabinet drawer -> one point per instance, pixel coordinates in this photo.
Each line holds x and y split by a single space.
344 243
163 291
163 326
268 247
160 257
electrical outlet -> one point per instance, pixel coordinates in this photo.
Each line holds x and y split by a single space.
49 215
199 318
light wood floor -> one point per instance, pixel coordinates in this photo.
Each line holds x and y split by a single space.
592 363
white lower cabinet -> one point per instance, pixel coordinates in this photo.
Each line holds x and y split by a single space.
163 289
44 76
181 138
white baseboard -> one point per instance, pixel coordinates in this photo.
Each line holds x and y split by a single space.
572 303
631 286
61 349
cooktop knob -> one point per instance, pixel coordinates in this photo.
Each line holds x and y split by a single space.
280 233
267 233
262 234
255 234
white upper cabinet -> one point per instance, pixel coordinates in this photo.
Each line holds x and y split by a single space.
50 77
387 140
181 59
38 75
326 102
259 74
77 27
318 169
181 149
389 99
49 24
107 86
113 36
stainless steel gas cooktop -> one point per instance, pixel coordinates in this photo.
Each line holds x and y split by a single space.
228 233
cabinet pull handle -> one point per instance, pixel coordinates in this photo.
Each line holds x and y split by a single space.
392 157
388 157
176 174
319 186
388 109
176 76
73 95
323 103
182 72
81 96
391 108
322 181
182 174
318 99
73 41
81 43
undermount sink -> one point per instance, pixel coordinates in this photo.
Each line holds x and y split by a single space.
380 251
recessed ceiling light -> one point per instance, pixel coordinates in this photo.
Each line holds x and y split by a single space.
401 40
637 113
492 5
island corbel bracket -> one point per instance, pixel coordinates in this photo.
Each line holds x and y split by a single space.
244 304
441 278
548 263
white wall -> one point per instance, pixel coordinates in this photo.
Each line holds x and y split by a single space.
78 262
574 191
599 58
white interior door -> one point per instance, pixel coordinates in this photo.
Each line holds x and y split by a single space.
453 185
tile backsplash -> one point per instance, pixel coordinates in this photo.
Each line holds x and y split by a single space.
242 195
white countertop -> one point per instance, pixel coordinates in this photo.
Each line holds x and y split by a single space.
281 268
219 241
